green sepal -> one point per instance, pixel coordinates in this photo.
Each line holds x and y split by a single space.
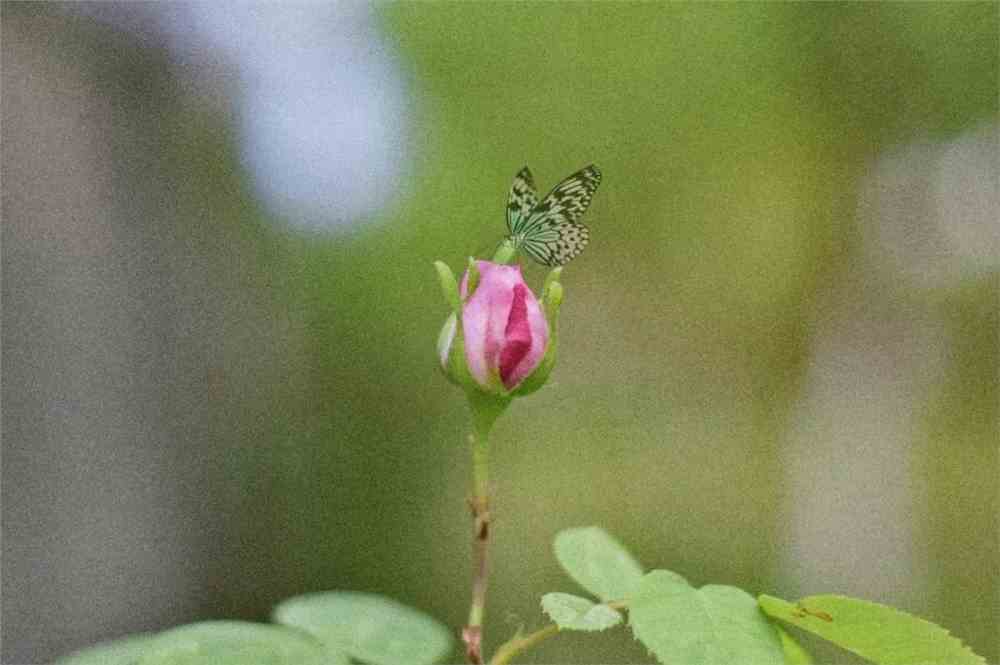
445 337
473 272
506 252
456 368
552 301
551 278
552 296
449 287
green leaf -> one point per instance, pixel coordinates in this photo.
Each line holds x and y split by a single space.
125 651
236 643
575 613
597 562
795 654
368 627
682 625
876 632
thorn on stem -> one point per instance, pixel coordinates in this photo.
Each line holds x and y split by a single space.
483 526
473 637
481 518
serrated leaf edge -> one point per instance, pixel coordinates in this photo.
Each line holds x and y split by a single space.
806 600
569 626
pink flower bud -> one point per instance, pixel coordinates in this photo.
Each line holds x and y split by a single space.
505 331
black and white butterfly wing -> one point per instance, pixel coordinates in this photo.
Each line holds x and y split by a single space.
521 200
552 234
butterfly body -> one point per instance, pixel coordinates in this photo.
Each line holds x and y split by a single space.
549 230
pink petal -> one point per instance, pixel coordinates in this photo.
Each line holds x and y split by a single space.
505 330
518 337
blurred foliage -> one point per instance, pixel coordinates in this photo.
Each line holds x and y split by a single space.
731 138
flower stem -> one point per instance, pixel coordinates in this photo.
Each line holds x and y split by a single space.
472 635
485 411
480 469
518 645
509 649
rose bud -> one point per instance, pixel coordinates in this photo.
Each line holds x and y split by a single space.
504 341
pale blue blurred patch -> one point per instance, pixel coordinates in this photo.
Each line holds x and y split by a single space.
318 99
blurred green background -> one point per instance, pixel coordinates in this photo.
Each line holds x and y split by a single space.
317 446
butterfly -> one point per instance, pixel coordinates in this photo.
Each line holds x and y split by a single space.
548 230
